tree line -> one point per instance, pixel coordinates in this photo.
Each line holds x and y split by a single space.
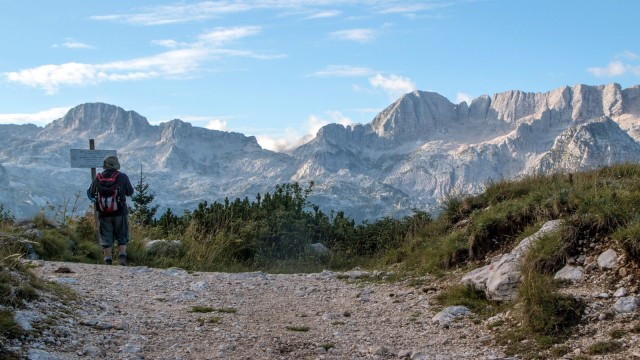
278 225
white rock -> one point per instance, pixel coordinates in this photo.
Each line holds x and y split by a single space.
608 259
446 316
626 304
570 273
319 249
620 292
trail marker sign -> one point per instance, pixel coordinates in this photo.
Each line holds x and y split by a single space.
83 158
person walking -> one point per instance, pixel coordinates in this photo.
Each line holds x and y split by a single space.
108 191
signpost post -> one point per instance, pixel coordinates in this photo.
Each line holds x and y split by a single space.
92 158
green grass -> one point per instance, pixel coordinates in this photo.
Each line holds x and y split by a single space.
604 347
210 320
227 310
201 309
8 326
327 346
298 328
468 296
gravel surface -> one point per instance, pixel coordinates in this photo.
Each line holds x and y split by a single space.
144 313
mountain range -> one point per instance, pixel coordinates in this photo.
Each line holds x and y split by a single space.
418 151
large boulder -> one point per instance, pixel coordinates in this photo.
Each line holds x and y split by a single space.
499 280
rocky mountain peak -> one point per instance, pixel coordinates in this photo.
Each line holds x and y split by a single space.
414 114
98 119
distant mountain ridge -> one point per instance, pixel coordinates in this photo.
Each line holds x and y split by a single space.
419 150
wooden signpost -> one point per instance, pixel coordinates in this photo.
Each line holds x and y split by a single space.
92 158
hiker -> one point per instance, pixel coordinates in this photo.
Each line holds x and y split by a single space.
108 190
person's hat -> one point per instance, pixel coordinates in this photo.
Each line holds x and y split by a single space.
111 162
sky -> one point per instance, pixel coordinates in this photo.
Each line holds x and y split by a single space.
280 69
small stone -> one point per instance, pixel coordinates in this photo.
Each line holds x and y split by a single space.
104 326
622 272
620 292
590 267
89 322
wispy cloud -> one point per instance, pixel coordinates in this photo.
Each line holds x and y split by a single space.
179 13
625 63
343 71
393 84
203 10
628 55
184 60
324 14
357 35
40 118
411 8
167 43
72 44
291 138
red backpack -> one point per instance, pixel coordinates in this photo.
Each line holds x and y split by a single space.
108 199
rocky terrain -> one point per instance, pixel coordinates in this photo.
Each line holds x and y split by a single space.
144 313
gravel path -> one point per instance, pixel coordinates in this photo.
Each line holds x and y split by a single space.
143 313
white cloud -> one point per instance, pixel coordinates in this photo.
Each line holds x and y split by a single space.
168 43
357 35
217 124
460 97
171 14
394 85
342 71
220 36
40 118
171 63
71 44
291 139
314 123
325 14
187 12
413 8
625 63
615 68
628 55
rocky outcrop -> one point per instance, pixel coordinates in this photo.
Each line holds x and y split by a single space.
500 279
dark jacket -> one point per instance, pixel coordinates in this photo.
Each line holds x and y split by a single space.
124 189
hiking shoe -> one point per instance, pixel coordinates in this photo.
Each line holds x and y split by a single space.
123 260
108 262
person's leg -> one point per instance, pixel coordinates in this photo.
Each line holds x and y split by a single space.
106 239
121 235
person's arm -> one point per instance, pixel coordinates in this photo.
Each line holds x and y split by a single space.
128 188
93 189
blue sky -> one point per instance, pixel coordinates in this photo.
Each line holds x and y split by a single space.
280 69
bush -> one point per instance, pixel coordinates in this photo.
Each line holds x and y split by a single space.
545 310
629 238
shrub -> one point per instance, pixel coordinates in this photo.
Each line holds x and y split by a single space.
545 310
603 347
629 238
470 297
